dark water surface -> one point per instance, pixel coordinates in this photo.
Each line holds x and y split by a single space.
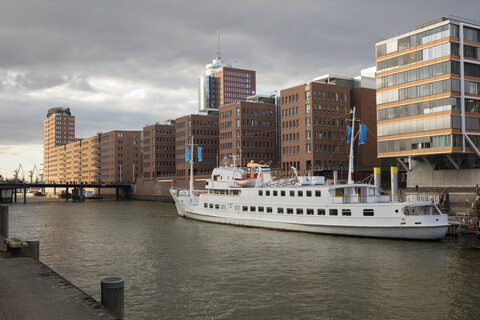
176 268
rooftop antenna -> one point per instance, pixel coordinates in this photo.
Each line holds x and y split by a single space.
219 56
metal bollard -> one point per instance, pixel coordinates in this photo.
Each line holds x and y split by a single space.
33 249
112 295
4 220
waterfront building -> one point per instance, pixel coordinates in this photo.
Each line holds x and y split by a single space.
362 97
159 151
313 125
58 129
248 129
109 157
428 102
204 129
222 84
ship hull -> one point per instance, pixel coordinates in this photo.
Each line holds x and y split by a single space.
415 227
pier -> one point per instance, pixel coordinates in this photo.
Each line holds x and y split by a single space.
122 191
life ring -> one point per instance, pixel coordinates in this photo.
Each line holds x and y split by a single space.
197 194
293 182
401 199
471 224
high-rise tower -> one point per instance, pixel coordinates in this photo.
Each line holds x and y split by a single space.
222 84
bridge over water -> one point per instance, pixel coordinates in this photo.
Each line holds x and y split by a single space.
122 190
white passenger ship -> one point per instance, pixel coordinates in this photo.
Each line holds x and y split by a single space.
310 204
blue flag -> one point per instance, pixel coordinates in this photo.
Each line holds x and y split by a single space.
200 154
349 132
362 134
187 154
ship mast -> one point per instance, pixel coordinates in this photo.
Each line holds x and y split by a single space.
191 168
350 157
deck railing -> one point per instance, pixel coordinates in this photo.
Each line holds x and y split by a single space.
397 198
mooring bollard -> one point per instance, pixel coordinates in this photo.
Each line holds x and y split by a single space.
112 295
33 250
4 220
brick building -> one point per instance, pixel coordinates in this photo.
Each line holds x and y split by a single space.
114 156
204 129
158 151
313 130
248 129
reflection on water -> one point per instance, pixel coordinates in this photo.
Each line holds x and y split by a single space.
180 269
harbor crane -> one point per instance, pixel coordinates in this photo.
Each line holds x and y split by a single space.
31 172
18 170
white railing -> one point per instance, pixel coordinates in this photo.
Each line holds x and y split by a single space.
397 198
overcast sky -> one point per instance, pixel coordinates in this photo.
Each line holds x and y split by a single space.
121 64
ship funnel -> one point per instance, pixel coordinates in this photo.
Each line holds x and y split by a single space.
377 178
335 177
394 179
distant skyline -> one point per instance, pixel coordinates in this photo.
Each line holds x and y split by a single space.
121 64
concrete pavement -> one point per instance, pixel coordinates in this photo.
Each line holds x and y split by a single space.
31 290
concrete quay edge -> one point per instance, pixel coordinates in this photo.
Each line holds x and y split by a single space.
29 289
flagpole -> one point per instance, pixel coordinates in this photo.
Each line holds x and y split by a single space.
350 157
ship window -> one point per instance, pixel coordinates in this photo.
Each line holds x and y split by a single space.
346 212
223 207
211 205
333 212
299 211
260 209
292 193
252 208
368 212
267 192
289 211
245 208
309 193
217 206
280 210
275 193
310 212
318 193
237 208
321 212
260 192
282 193
269 210
205 205
300 193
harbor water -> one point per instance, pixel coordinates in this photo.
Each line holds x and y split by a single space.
176 268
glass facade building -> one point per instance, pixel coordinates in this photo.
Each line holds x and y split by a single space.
428 95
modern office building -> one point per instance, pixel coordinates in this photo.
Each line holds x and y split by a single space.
204 130
428 102
222 84
158 151
247 129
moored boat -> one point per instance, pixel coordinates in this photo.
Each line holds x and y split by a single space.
310 204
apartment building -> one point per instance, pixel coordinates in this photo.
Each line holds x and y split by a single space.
428 102
248 129
114 156
58 129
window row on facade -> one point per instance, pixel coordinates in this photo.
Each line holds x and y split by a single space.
423 90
